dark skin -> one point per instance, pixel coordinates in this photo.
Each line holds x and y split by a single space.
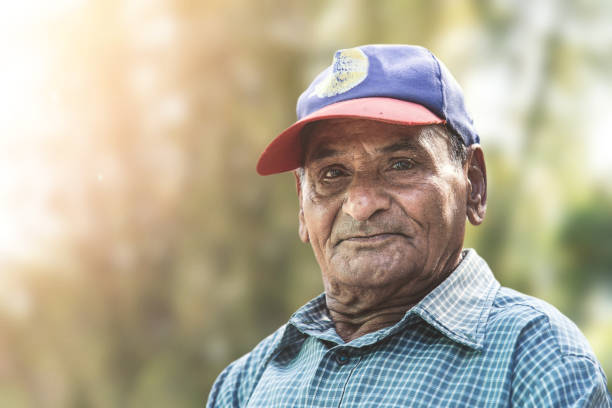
384 208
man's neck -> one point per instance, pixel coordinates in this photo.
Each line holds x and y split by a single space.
355 315
351 327
357 311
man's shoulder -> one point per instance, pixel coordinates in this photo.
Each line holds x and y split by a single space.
533 318
236 382
552 363
260 354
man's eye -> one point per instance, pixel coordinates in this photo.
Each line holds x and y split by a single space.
402 165
332 173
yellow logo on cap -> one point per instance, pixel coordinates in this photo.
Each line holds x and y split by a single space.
349 69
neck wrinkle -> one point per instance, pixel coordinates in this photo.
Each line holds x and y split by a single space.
350 326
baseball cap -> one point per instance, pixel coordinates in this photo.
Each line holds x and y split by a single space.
400 84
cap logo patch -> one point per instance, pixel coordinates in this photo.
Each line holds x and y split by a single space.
349 69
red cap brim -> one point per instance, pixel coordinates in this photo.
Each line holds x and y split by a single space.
285 152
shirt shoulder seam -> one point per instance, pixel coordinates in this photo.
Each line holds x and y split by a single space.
546 316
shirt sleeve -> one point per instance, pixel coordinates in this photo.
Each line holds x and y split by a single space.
577 382
545 376
225 390
233 387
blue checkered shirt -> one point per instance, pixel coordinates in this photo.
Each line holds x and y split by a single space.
468 343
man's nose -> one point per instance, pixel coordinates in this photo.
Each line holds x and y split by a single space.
364 199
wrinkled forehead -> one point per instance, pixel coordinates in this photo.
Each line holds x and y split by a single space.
341 136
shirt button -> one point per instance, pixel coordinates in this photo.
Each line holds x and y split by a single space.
342 358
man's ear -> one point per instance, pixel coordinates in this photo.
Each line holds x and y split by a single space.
302 230
476 173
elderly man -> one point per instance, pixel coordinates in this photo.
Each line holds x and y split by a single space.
388 168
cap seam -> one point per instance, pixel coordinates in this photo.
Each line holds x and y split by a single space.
439 77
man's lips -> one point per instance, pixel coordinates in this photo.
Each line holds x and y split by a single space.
371 238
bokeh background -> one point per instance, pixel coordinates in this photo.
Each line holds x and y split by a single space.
139 251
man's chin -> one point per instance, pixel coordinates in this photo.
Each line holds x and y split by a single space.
372 271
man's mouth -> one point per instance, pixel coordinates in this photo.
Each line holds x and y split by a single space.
370 239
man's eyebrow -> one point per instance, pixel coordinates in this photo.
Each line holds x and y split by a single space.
399 146
323 153
327 152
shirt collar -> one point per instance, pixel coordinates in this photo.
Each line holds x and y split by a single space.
458 308
460 305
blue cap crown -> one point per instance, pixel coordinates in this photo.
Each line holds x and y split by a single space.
405 72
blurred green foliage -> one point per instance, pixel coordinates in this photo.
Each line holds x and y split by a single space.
181 258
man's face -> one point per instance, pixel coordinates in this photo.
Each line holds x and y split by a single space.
381 204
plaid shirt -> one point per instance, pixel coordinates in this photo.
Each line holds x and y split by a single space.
468 343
